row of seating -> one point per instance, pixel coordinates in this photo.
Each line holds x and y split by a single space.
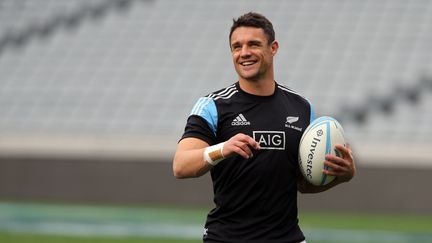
140 70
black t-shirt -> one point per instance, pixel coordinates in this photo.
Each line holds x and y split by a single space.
255 198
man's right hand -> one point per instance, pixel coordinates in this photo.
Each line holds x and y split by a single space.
240 144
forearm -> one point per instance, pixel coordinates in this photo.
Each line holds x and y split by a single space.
189 161
306 187
190 164
194 157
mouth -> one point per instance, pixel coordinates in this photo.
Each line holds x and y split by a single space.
247 63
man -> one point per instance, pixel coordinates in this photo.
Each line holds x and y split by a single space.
239 134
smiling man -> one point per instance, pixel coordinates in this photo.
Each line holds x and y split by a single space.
247 135
252 52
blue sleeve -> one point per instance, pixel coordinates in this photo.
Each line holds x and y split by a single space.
206 108
312 113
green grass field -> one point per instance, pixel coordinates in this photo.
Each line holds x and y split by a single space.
37 238
32 222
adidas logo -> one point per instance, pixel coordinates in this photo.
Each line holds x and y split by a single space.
240 120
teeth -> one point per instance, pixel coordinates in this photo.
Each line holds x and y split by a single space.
247 63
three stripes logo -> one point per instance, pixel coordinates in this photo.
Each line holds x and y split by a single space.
240 120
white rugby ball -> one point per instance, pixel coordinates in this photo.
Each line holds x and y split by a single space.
319 139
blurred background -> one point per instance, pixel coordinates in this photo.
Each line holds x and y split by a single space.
94 95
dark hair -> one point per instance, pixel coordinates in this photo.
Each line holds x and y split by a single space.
256 20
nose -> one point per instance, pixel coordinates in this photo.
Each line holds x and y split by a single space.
245 52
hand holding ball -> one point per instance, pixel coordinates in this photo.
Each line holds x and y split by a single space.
319 139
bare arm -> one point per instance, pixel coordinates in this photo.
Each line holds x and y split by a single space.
304 186
343 168
189 160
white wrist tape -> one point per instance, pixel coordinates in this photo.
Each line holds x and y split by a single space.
214 154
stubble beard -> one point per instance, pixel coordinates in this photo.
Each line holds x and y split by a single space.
254 77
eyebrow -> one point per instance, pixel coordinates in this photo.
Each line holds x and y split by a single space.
255 42
251 42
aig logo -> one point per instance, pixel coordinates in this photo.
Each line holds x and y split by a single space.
270 139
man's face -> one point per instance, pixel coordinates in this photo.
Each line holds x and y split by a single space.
251 53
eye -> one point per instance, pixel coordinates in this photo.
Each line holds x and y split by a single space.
255 43
235 47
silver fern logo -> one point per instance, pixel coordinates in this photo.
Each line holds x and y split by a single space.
289 123
291 119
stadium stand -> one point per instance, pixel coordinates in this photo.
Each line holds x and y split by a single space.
116 79
130 70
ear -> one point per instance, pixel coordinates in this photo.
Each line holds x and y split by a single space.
274 47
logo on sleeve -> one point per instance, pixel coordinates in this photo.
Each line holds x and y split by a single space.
270 139
240 120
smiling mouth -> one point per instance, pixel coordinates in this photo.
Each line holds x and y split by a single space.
247 63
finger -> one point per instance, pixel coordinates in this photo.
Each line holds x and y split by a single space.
345 150
241 148
343 170
334 169
350 152
240 152
255 145
251 142
348 145
245 147
333 166
333 173
336 160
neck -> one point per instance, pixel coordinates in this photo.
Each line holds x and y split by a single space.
263 87
258 88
